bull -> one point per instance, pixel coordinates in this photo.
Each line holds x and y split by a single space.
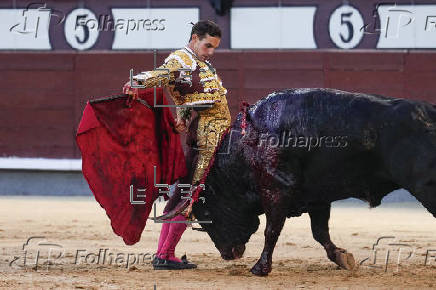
306 148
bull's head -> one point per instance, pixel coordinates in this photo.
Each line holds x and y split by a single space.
233 221
229 220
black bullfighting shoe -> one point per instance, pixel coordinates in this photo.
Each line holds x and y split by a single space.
162 264
156 260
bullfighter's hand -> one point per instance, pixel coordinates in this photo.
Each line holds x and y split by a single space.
132 92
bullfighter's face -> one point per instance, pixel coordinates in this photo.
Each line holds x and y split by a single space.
205 47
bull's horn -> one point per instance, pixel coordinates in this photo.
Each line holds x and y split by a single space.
181 206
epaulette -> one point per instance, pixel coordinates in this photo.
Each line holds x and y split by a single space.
184 58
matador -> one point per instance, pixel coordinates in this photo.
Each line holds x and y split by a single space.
192 82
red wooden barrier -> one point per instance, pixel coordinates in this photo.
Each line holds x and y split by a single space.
43 94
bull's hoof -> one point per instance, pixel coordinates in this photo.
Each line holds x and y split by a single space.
260 270
344 259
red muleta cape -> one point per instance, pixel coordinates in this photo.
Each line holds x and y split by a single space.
121 142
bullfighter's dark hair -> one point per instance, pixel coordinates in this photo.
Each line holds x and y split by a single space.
203 27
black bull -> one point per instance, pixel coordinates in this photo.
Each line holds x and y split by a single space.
304 149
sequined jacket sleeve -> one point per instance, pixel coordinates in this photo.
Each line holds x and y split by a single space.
190 81
176 65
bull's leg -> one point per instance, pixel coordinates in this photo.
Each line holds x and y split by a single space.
274 205
319 219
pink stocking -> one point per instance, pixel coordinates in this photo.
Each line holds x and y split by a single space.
174 234
163 236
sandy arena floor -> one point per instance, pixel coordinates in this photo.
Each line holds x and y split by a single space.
77 230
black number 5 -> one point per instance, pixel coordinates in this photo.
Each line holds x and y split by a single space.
84 26
349 27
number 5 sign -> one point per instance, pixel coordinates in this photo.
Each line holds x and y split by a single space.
81 31
345 27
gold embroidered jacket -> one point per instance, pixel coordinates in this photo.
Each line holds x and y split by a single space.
190 81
